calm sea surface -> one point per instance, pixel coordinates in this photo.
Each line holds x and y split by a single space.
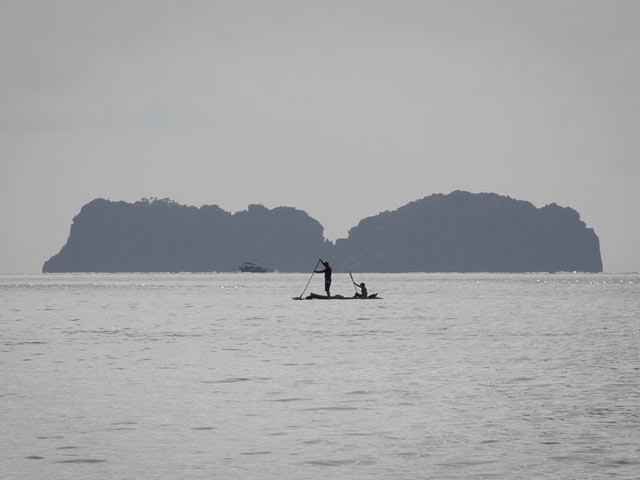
224 376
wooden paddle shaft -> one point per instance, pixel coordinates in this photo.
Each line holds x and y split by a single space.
314 271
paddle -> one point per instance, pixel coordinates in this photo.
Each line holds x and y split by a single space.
354 283
305 287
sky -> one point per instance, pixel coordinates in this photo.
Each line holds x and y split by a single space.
341 108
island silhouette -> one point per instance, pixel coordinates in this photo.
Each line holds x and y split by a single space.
455 232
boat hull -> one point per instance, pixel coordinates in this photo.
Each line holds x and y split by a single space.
315 296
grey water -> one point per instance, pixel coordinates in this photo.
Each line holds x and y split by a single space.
448 376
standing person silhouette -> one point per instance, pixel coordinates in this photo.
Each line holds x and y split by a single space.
327 276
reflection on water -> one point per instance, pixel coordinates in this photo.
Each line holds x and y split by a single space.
224 376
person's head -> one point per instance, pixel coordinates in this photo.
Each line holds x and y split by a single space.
362 284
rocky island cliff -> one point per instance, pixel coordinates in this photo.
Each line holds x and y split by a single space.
458 232
164 236
466 232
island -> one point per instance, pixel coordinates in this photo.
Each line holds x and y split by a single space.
466 232
455 232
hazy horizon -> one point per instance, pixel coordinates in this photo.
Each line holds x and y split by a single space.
341 109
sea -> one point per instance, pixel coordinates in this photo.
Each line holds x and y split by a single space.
225 376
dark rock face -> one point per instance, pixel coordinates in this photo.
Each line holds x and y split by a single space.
163 236
465 232
459 232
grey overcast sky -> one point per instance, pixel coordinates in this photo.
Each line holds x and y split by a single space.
340 108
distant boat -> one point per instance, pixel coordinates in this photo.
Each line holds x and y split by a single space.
253 267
